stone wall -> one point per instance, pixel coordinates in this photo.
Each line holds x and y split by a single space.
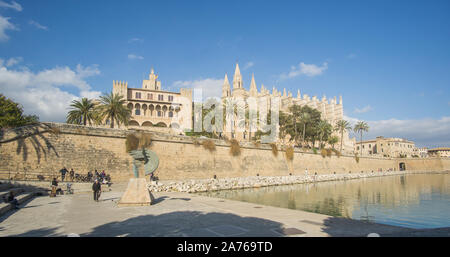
46 148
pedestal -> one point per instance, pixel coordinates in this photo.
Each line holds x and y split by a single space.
137 194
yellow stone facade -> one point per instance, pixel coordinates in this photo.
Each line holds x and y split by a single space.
153 107
331 110
440 152
387 147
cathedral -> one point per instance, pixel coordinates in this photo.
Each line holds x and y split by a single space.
331 110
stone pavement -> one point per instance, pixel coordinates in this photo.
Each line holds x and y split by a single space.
178 214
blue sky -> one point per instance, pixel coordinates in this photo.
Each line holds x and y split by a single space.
390 60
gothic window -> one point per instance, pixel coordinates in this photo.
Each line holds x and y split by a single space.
159 113
170 114
170 98
160 97
138 95
138 112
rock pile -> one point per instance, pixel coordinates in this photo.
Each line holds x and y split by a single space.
204 185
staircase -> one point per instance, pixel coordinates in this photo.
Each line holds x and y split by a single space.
21 193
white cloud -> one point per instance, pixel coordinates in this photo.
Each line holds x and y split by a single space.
209 87
5 25
364 109
309 70
12 5
135 57
135 39
41 93
424 132
352 56
37 25
248 65
11 61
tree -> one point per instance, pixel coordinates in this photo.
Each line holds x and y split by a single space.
333 140
324 130
112 107
360 127
11 114
301 122
341 126
82 112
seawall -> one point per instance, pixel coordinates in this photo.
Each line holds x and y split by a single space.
44 149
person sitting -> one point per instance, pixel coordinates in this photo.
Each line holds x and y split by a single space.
12 200
89 175
54 187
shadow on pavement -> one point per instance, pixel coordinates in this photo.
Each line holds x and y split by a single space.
188 223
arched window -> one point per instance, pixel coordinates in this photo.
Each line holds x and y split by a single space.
138 111
159 113
170 114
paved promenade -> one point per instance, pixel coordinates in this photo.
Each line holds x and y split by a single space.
179 214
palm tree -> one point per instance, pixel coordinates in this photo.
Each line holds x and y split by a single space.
360 127
305 118
341 126
323 128
112 106
333 140
81 112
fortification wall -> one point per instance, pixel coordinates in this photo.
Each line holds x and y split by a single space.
46 148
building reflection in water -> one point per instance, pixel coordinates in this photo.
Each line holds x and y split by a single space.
415 200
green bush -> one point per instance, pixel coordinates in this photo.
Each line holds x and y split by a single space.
290 153
235 149
209 145
356 157
323 152
274 149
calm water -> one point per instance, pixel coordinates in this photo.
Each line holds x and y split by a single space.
414 201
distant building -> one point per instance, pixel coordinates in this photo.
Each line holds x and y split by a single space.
386 147
153 107
421 152
439 152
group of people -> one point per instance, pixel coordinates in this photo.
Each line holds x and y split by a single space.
98 177
102 177
11 199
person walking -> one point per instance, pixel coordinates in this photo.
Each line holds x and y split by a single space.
63 172
97 188
72 174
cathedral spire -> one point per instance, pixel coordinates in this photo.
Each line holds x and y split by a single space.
226 90
237 72
237 80
253 89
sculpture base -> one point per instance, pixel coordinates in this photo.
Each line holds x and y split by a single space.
137 194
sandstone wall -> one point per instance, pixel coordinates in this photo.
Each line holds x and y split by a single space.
47 148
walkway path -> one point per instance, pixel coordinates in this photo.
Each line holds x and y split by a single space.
179 214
